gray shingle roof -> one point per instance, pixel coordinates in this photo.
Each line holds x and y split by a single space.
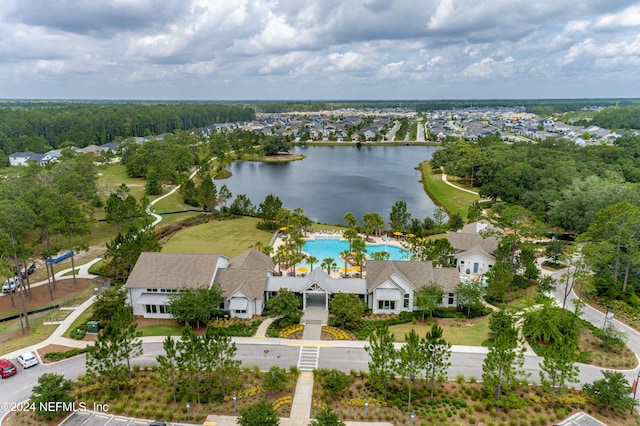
252 259
173 270
463 241
416 273
246 273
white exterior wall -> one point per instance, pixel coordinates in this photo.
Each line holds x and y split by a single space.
140 309
18 161
392 283
470 259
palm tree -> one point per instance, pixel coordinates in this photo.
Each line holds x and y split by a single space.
328 263
311 260
345 254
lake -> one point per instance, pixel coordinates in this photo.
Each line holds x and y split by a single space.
333 180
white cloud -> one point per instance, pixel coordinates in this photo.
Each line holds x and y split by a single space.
321 49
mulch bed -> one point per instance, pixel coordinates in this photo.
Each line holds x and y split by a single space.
41 297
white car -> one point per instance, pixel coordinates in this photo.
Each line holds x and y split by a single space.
27 359
9 285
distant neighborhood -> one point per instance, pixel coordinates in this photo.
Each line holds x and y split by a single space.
382 125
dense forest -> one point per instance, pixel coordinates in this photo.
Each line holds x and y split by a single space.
557 180
41 127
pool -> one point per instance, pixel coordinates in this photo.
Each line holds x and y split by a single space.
322 248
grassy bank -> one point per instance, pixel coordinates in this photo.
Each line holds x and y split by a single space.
229 237
449 198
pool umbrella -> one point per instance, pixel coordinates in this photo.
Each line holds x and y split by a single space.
284 228
397 233
356 268
303 269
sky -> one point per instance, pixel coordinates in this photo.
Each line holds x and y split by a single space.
319 49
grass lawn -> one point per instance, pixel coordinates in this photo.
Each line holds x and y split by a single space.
160 330
465 335
451 199
228 237
110 177
84 317
38 333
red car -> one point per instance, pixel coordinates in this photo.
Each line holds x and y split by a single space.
7 368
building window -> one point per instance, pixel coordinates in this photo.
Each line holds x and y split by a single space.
163 309
451 298
387 304
241 312
152 290
151 309
147 308
407 299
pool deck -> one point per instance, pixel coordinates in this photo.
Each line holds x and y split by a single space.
391 241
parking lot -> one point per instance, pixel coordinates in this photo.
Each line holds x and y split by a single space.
92 418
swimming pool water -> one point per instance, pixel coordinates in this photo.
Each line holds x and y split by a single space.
331 247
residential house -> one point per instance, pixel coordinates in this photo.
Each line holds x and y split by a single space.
391 285
22 158
474 253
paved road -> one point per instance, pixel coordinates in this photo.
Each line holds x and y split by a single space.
597 318
264 354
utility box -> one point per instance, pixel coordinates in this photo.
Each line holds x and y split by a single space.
93 327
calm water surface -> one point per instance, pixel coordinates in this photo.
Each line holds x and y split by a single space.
333 180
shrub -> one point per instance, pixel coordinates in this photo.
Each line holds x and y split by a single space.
336 382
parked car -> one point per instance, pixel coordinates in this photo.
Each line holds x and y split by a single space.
31 269
157 423
27 359
9 285
7 368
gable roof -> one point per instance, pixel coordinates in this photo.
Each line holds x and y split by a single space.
416 273
246 273
324 280
463 241
250 282
29 155
476 227
252 259
173 270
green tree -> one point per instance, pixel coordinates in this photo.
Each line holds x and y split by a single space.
469 295
503 364
399 217
436 352
558 366
261 413
207 193
455 222
428 298
285 306
107 303
411 360
124 250
326 417
122 208
194 306
275 379
351 220
383 356
311 260
347 310
126 334
373 222
268 210
168 364
474 213
612 391
51 388
329 264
